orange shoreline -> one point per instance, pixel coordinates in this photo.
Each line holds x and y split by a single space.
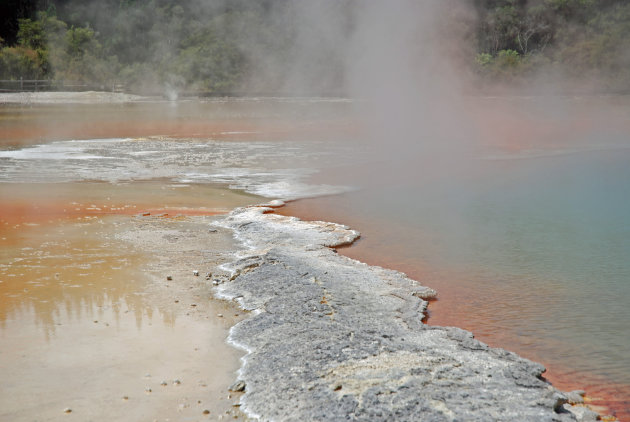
41 213
66 126
565 379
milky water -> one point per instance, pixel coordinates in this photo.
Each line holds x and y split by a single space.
529 249
256 167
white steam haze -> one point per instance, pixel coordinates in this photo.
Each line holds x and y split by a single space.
409 66
403 62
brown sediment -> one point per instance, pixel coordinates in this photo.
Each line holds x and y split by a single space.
88 319
42 212
89 322
41 203
453 307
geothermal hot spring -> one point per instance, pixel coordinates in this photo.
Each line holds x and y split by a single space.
526 237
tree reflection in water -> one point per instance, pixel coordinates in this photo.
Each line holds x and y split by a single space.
68 272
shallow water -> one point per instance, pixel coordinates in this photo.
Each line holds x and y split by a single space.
80 327
80 330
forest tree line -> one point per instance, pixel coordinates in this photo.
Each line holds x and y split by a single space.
220 46
581 39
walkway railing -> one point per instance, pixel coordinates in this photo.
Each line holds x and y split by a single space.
30 85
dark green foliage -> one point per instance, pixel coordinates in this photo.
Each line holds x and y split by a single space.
584 39
21 61
31 34
10 13
223 46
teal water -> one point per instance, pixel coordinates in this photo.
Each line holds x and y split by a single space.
530 253
553 227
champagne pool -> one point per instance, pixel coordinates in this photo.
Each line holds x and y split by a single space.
529 249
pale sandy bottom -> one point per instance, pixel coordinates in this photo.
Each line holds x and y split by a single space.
91 329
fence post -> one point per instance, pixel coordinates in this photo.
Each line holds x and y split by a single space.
21 84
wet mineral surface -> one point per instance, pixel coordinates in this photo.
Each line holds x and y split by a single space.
331 338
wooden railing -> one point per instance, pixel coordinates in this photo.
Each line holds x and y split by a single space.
30 85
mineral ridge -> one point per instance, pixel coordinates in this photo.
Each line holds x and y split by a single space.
331 338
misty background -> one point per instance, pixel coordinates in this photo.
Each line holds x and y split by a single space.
323 48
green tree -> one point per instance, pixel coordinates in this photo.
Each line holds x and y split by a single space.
20 62
31 34
572 9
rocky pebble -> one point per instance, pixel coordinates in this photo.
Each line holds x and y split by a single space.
237 386
582 414
576 397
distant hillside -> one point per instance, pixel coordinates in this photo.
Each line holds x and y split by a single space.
231 46
579 39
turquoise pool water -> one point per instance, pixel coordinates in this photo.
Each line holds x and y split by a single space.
531 253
